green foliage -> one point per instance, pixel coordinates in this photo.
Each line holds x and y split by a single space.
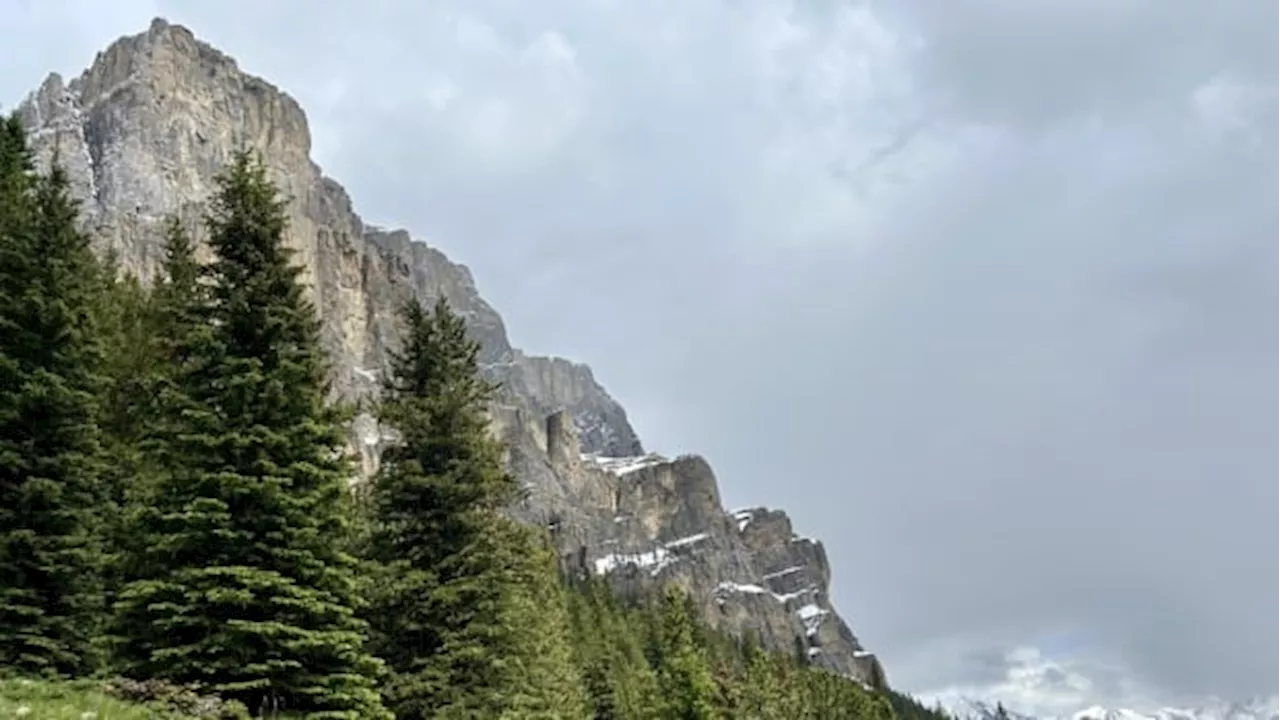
241 583
906 707
467 612
123 313
609 643
46 700
684 673
691 670
184 433
51 476
544 676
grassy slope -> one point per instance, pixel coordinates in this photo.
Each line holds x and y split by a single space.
44 700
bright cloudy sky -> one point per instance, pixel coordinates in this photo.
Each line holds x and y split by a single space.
981 291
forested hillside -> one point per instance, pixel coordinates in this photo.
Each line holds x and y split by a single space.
175 509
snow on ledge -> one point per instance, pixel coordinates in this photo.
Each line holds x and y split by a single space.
655 560
731 587
689 540
784 598
812 616
783 572
624 465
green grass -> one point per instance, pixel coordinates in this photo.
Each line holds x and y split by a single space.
48 700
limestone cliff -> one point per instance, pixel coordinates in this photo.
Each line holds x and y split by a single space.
142 133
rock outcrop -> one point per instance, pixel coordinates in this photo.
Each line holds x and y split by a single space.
142 134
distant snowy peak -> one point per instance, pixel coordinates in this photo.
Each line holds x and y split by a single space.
1097 712
1258 709
973 709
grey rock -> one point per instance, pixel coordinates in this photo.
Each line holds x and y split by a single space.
142 134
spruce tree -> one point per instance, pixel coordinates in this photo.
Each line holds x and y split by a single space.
684 674
155 335
547 683
458 615
243 584
183 327
123 316
50 462
761 693
180 306
609 648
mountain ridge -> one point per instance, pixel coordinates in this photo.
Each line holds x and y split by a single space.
143 131
1261 708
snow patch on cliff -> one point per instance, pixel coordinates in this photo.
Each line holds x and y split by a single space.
625 465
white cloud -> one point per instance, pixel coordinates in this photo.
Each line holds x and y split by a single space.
1044 687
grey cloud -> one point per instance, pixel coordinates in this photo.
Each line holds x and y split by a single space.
980 292
1039 62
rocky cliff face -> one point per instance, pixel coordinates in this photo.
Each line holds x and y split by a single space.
143 132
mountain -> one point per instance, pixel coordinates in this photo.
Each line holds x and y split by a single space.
1256 709
143 131
1032 685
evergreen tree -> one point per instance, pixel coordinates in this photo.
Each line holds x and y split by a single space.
243 584
684 675
181 301
180 316
905 707
762 691
746 681
458 615
50 460
149 336
544 676
123 317
608 645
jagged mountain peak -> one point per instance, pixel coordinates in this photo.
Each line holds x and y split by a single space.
143 132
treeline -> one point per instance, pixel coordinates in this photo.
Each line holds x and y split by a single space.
175 504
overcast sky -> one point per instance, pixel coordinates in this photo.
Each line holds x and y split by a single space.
983 293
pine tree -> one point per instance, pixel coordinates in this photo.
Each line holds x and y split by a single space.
435 616
906 707
547 683
243 584
762 689
633 685
683 673
183 329
123 316
155 333
466 614
608 644
50 460
180 300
